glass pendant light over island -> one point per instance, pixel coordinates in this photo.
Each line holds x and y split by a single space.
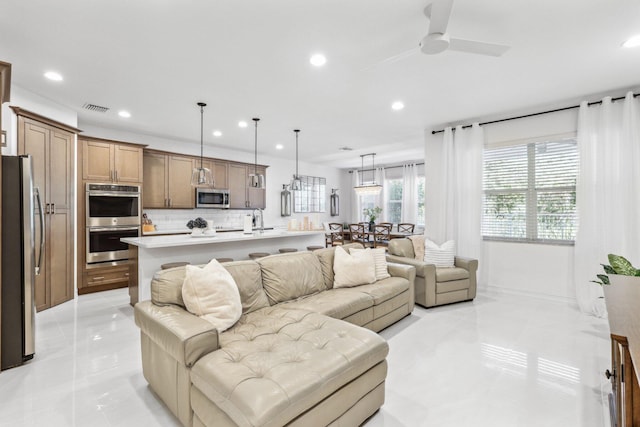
371 187
296 182
256 180
201 177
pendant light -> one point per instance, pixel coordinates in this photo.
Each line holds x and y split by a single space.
256 180
296 183
201 177
285 201
371 188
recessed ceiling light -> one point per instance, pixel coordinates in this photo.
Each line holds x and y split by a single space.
52 75
217 133
398 105
279 146
318 60
632 42
242 124
124 114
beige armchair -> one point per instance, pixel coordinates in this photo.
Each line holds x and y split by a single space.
436 285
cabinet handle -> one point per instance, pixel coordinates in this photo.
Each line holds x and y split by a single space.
115 173
170 204
608 374
126 274
98 278
165 203
53 208
110 175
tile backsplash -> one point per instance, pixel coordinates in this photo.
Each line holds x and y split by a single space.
165 219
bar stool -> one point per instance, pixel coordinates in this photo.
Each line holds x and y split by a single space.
257 255
287 250
173 265
221 260
314 248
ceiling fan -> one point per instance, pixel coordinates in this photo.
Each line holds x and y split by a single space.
438 40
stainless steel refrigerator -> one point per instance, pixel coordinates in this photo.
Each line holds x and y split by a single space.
21 211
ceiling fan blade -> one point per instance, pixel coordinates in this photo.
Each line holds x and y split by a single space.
480 48
392 59
438 13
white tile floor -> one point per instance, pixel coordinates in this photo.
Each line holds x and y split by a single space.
502 360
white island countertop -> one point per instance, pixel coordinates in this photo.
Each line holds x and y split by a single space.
150 242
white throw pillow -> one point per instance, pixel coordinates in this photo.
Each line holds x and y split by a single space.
440 256
379 260
353 270
211 293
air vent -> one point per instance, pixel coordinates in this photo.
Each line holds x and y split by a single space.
96 108
345 149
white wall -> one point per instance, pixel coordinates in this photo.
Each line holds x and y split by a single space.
544 270
279 172
37 104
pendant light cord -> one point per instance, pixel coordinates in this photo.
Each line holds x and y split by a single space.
255 163
297 131
202 105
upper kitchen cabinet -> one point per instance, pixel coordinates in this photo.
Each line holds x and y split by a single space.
167 181
111 161
219 169
240 195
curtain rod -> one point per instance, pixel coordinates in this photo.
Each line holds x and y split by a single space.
387 167
534 114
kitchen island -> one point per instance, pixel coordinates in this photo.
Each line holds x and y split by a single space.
153 251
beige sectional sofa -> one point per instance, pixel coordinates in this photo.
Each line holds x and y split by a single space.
302 353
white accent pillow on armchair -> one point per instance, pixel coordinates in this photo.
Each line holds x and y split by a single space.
440 256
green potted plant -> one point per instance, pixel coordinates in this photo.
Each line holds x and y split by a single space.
372 213
618 265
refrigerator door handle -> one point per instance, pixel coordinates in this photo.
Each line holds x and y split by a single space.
42 240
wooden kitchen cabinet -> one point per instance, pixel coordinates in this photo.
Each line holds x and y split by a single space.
99 278
219 169
51 150
110 161
240 195
167 181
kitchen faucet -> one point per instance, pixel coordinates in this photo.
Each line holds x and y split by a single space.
261 228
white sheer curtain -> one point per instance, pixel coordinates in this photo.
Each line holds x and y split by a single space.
460 213
356 208
607 193
410 193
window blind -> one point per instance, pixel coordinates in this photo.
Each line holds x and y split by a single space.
529 191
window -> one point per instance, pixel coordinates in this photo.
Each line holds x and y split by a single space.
530 192
393 208
394 203
312 196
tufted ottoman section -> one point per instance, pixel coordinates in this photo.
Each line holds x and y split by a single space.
277 363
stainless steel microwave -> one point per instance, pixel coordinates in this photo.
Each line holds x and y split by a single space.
212 198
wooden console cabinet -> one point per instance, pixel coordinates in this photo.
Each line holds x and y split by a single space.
622 298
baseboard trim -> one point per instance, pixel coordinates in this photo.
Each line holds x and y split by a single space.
517 292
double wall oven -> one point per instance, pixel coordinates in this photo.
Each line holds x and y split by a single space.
113 212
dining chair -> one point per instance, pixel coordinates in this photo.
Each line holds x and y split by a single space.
381 235
359 234
406 228
333 235
390 224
